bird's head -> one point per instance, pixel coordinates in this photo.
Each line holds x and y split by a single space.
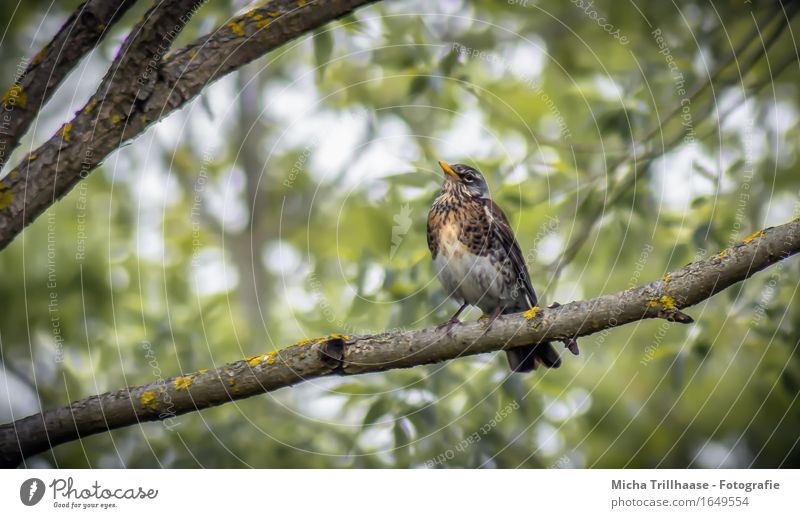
465 179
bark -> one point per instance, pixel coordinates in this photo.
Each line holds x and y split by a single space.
347 355
142 87
55 167
79 35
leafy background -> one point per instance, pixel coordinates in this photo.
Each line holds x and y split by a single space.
289 201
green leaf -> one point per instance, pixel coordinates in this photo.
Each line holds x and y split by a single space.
354 389
419 84
402 441
378 409
323 48
449 62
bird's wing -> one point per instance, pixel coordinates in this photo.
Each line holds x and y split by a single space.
502 232
433 245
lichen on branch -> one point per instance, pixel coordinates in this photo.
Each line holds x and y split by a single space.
350 355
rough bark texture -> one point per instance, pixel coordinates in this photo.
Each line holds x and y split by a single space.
55 167
79 35
143 87
345 355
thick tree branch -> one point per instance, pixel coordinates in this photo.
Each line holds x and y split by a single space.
345 355
79 35
68 156
145 89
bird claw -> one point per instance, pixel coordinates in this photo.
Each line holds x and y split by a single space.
448 324
488 320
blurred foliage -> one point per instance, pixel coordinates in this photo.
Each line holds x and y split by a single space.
290 201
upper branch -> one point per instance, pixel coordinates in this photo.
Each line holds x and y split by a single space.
141 88
57 165
47 69
337 354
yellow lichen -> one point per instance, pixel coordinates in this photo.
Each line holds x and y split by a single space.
148 400
116 118
236 27
262 24
90 106
271 357
255 360
183 382
307 341
15 96
666 278
531 313
665 301
38 57
754 235
201 371
6 196
65 131
301 3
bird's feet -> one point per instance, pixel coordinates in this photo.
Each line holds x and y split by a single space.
447 325
488 320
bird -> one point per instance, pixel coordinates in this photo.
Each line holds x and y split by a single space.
479 262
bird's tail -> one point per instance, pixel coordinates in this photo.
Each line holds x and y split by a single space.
528 357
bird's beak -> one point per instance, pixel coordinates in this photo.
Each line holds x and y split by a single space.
450 174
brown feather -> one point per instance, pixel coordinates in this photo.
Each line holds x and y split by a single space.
462 223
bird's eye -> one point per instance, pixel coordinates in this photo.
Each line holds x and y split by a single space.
468 178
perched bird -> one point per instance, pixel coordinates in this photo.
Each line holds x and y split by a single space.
478 260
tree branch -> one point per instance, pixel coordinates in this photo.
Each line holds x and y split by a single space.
79 35
346 355
57 165
134 96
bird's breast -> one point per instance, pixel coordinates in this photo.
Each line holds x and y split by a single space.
450 244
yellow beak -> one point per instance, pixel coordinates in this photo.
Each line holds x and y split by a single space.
448 170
